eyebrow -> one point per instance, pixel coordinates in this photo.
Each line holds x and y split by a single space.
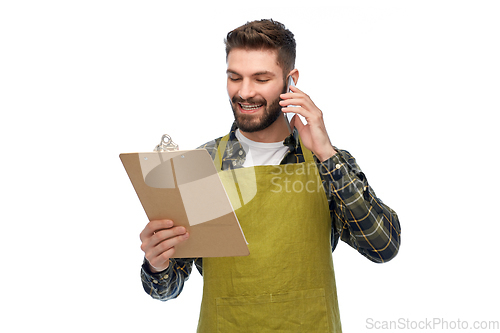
229 71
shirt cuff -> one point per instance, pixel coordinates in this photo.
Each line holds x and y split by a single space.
157 278
335 166
339 172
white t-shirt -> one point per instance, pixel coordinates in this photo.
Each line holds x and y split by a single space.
260 153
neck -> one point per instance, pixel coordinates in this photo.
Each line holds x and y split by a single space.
277 132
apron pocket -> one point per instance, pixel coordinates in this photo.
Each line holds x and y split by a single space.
296 311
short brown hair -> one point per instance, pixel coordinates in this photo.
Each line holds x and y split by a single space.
265 34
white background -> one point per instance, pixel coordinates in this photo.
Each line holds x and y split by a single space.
410 88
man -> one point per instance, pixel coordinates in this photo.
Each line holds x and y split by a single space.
287 282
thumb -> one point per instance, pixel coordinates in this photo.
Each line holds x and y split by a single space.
297 123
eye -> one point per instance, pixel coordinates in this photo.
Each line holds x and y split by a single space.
234 79
262 80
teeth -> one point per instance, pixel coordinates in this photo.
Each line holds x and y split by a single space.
250 107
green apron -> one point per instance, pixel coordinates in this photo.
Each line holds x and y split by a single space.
287 283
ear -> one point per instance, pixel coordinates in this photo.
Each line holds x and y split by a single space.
294 73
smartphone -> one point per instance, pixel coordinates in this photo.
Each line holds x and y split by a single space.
289 115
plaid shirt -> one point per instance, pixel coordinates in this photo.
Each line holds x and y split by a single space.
359 218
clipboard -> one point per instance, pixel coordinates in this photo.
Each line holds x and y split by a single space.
184 186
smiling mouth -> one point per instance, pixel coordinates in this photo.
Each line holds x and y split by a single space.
251 107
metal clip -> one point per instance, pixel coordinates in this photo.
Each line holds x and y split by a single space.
166 144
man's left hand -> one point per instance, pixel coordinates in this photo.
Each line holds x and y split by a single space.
313 134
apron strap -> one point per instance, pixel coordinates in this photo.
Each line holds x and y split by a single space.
308 155
220 152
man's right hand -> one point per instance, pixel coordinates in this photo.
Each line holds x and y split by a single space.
159 239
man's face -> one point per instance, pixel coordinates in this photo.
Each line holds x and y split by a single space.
254 83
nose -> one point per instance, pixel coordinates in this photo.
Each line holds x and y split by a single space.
246 90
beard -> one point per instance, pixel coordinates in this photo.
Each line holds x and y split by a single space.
252 123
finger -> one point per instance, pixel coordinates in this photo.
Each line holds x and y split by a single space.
154 226
297 101
294 109
291 101
292 98
165 247
294 92
161 262
295 89
152 240
164 234
302 112
161 236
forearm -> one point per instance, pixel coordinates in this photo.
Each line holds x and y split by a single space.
168 284
361 219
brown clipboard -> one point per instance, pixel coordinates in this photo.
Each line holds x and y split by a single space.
184 186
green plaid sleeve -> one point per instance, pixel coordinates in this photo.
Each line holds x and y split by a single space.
359 217
168 284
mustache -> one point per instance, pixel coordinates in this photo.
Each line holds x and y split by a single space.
237 99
